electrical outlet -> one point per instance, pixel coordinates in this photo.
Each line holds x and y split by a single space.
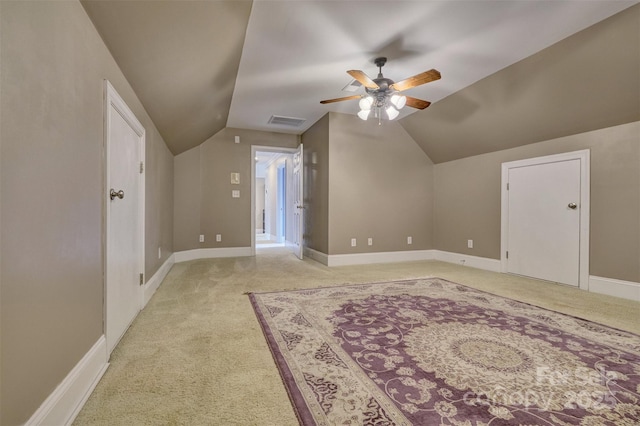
202 238
370 241
353 242
469 243
409 240
218 238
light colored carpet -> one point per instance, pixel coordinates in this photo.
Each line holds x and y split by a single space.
196 354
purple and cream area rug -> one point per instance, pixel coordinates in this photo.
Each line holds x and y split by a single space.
433 352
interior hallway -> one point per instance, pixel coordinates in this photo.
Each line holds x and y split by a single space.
196 354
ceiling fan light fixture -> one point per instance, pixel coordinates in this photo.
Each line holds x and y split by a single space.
384 94
364 114
365 103
392 112
399 101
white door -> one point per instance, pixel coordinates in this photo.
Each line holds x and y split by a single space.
124 227
544 202
298 201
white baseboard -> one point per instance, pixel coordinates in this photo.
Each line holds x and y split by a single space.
403 256
612 287
66 401
468 260
316 255
154 282
379 257
210 253
370 258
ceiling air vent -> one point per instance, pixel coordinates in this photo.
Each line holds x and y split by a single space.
353 86
279 120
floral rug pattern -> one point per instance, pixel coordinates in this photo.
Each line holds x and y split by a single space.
433 352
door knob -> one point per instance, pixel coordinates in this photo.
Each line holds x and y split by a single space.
572 206
113 194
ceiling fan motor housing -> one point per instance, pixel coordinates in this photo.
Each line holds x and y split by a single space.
383 90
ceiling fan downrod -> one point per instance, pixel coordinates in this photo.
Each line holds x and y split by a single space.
380 63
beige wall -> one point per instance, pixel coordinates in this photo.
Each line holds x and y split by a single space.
380 186
585 82
158 199
51 129
467 199
187 196
316 185
214 161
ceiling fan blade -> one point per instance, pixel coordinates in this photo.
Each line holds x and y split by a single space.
417 103
346 98
416 80
363 78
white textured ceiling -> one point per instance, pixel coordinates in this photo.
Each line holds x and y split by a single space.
296 53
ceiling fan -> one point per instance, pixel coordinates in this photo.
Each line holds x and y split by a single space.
383 94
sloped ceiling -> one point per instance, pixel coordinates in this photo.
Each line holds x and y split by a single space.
180 57
199 66
588 81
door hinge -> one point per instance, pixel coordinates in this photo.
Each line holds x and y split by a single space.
507 254
141 166
141 278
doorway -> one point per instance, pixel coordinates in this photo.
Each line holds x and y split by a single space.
545 218
272 197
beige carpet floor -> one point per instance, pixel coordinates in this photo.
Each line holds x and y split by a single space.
196 355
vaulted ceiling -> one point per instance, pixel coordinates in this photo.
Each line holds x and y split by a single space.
200 66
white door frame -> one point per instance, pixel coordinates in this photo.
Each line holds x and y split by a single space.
115 102
584 157
254 150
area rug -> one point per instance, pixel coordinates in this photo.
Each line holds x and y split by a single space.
433 352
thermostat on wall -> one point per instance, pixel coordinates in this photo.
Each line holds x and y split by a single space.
235 178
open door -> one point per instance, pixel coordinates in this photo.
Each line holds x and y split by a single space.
298 202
